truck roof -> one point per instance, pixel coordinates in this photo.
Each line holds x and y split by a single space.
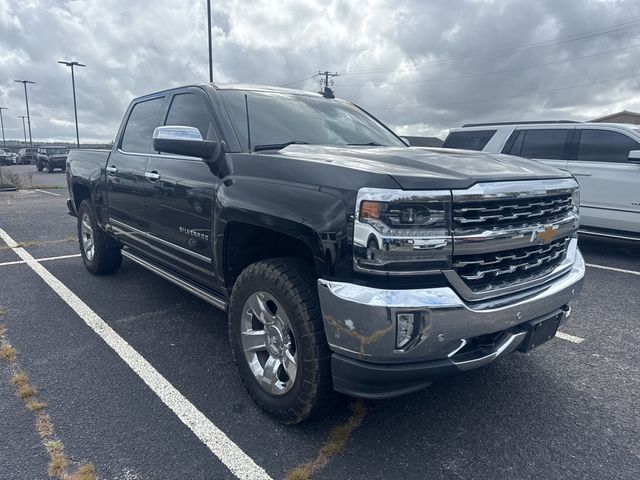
239 86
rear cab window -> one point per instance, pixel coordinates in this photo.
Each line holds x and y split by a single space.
468 140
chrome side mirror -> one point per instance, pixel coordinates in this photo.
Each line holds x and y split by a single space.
634 156
182 140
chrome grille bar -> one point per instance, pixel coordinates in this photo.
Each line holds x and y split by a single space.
486 271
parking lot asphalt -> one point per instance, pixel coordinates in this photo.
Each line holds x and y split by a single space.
564 410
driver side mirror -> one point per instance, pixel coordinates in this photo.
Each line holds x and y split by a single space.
187 141
634 156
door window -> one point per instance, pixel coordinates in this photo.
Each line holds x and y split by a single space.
543 143
190 110
144 118
605 146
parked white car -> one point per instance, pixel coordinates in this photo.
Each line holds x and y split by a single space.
603 157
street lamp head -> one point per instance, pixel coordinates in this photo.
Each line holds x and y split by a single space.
72 64
24 81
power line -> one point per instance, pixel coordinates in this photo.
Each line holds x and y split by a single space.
502 52
493 72
297 81
504 97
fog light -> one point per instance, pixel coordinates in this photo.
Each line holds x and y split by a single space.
405 326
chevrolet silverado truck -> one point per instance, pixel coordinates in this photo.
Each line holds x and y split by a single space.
344 259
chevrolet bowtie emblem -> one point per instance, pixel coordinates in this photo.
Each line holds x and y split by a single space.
544 235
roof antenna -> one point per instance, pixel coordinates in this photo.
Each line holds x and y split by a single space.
246 105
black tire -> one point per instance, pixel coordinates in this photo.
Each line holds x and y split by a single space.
104 259
39 166
50 168
292 282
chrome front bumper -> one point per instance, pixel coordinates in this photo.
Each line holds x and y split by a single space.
360 321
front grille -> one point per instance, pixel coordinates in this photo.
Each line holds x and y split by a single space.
482 215
490 271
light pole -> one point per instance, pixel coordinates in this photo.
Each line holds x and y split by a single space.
73 86
24 129
4 142
26 99
210 40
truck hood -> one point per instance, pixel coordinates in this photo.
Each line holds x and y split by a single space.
427 168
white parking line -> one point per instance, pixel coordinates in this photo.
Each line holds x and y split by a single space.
569 338
46 259
238 462
48 193
613 269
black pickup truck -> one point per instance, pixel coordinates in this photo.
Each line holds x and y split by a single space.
346 259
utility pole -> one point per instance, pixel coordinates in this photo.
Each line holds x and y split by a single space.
325 83
73 86
24 129
4 142
26 99
210 40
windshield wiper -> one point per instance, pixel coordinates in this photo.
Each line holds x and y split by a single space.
370 144
279 146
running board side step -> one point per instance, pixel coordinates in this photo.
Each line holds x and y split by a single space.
619 236
195 290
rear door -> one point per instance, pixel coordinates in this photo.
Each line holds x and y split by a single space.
547 145
609 183
125 171
181 194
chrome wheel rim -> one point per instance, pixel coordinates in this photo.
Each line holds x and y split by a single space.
268 343
86 234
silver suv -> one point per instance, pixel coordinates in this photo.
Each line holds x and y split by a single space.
603 157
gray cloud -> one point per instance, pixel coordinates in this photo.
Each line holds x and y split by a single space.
420 66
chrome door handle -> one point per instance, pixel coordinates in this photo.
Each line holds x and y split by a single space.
152 176
111 170
582 174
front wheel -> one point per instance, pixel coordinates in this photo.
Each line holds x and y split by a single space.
278 340
50 168
97 255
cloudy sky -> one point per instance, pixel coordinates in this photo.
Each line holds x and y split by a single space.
421 66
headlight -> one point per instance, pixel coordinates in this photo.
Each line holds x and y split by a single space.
402 233
575 200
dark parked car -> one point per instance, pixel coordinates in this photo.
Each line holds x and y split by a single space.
5 158
27 156
345 259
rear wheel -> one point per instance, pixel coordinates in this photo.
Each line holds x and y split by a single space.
39 166
50 168
278 340
97 255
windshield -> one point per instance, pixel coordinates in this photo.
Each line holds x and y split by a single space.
281 118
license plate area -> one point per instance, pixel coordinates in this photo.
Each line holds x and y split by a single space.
539 331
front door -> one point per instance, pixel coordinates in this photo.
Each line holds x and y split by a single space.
181 196
125 172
